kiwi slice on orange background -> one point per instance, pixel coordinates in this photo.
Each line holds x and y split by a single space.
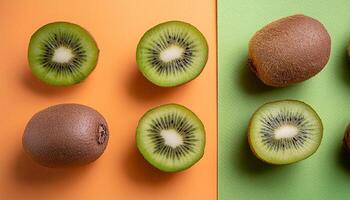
172 53
62 53
284 132
171 137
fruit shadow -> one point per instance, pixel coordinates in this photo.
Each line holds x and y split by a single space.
27 172
141 172
345 67
247 161
251 84
29 81
143 90
344 159
249 164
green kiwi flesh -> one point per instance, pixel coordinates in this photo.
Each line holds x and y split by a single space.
171 137
172 53
284 132
66 135
62 53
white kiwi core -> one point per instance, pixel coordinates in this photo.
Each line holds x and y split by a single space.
171 53
171 138
286 131
62 55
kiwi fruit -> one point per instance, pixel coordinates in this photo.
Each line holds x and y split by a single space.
284 132
346 139
62 53
66 135
172 53
289 50
171 137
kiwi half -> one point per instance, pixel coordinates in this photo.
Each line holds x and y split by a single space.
62 53
171 137
172 53
284 132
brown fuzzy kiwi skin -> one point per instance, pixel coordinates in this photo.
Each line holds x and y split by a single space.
66 135
346 139
289 50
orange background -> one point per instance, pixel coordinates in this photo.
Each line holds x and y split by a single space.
115 88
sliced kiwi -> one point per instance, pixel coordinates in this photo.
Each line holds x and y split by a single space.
284 132
172 53
62 53
171 137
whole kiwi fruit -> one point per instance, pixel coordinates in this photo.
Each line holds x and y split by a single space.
289 50
66 135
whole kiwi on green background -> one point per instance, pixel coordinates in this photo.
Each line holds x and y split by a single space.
170 137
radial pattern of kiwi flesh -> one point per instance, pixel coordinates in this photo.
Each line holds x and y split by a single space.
180 62
71 44
172 53
285 118
171 137
62 53
284 132
185 133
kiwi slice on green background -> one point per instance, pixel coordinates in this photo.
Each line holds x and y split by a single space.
62 53
172 53
171 137
284 132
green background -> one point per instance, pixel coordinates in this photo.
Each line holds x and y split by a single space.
326 174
